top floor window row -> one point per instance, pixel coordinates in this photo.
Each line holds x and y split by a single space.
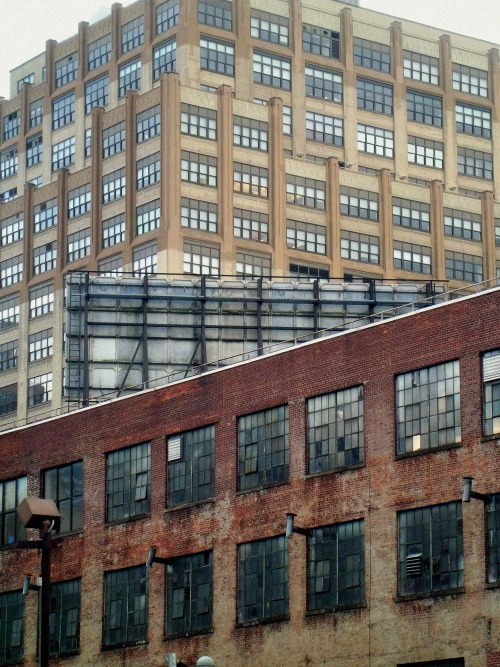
66 70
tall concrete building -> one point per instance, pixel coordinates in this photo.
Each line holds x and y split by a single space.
206 137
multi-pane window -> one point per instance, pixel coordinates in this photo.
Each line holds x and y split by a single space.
198 168
64 620
113 186
357 203
497 232
250 180
491 395
11 229
63 154
63 110
306 236
470 80
475 163
412 257
40 345
359 247
287 120
375 140
113 231
336 566
320 41
201 259
167 16
269 27
132 34
189 594
372 55
145 259
251 225
425 152
8 399
164 58
129 77
263 448
272 70
8 355
326 129
111 266
11 627
148 171
374 96
198 121
460 266
11 271
8 162
411 214
148 217
217 56
217 13
8 195
263 580
78 245
64 485
99 53
66 70
428 407
29 78
306 192
113 140
463 224
79 201
148 124
36 113
11 125
252 265
128 482
45 215
423 108
37 181
41 300
473 120
97 93
9 311
39 390
420 67
191 466
493 532
87 142
125 607
325 84
200 215
430 546
34 147
250 133
44 258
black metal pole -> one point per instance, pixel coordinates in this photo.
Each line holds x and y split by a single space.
44 626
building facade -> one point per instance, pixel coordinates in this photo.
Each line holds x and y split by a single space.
365 436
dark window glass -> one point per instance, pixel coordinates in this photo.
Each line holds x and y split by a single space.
189 594
325 84
422 108
11 494
374 96
125 607
493 537
164 58
191 466
128 480
99 52
491 388
64 485
320 41
167 16
217 13
11 627
64 620
217 56
372 55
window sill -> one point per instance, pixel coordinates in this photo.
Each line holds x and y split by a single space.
429 594
63 656
491 438
492 585
197 503
262 487
114 647
130 519
322 473
265 621
339 608
191 633
430 450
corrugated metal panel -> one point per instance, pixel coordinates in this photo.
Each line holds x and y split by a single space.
491 368
174 448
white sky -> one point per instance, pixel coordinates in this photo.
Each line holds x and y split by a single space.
25 25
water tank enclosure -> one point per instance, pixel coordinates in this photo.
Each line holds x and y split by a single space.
124 334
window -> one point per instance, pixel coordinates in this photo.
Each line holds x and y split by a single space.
412 257
113 140
263 580
37 182
425 152
491 398
64 485
63 110
78 245
420 67
191 466
497 232
325 84
66 70
460 266
470 80
128 482
39 390
200 215
125 607
411 214
374 96
321 42
113 186
40 345
199 122
422 108
97 93
263 448
79 201
8 404
357 203
87 142
64 621
428 407
250 133
435 663
45 215
217 13
189 594
9 311
473 120
41 300
493 526
164 58
359 247
132 34
201 259
287 120
9 195
11 271
12 229
306 236
372 55
11 627
305 192
36 113
148 124
167 16
269 27
326 129
33 150
11 125
29 78
148 171
251 225
217 56
8 355
252 265
475 163
145 259
250 180
63 154
375 140
129 77
463 224
8 162
113 231
112 266
197 168
272 70
99 53
431 549
148 217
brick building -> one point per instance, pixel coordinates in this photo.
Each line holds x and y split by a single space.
365 436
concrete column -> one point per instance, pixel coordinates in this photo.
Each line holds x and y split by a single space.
116 9
350 97
449 123
62 219
437 230
169 234
488 236
494 91
29 190
299 147
225 177
82 48
149 21
400 116
50 46
243 81
333 216
277 186
96 182
385 222
130 171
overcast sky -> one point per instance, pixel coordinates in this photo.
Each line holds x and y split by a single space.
26 24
